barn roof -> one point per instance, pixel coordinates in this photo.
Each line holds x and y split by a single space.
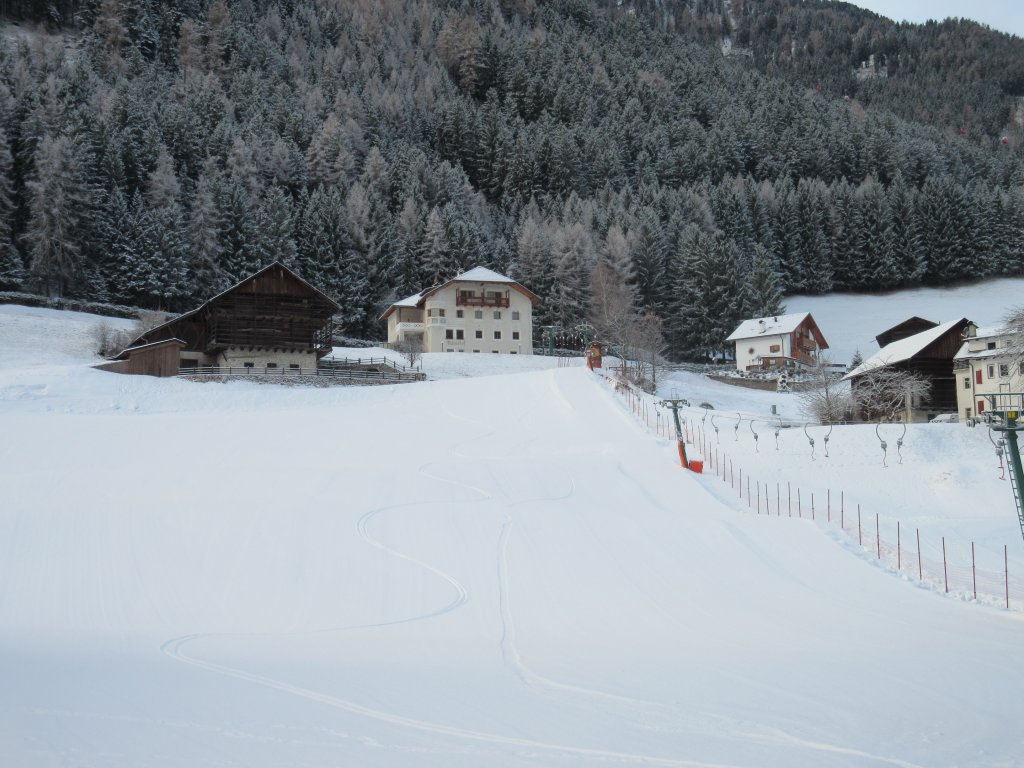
904 349
767 326
125 353
327 301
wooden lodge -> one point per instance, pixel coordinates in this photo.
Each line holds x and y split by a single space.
928 353
779 341
272 319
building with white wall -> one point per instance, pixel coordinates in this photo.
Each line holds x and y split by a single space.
988 364
777 341
478 311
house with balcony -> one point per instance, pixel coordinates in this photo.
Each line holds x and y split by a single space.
779 341
477 311
989 371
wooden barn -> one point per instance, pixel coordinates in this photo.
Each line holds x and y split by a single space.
928 353
908 327
272 319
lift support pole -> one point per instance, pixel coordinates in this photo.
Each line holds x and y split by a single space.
1010 430
675 405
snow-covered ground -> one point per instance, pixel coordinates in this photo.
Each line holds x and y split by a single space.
850 321
498 567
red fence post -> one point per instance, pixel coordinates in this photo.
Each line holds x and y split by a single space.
945 570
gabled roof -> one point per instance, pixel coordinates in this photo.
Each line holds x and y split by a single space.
904 349
331 303
902 330
482 275
767 326
125 353
475 275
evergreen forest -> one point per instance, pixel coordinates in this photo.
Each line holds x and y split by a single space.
710 155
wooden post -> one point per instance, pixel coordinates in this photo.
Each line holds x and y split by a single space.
921 576
899 552
945 570
974 573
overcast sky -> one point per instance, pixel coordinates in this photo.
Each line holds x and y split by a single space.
1004 15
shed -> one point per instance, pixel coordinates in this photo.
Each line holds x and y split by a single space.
159 358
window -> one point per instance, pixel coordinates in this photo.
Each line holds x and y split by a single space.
460 334
991 345
497 334
967 382
515 335
515 314
293 366
478 314
479 335
458 313
512 352
435 312
1021 371
991 371
271 365
449 350
449 334
495 351
1004 370
249 365
497 314
476 350
775 348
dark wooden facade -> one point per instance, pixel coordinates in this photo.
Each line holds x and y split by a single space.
934 363
162 358
273 309
909 327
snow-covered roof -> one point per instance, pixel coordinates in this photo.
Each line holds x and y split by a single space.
904 349
481 275
996 333
409 301
766 326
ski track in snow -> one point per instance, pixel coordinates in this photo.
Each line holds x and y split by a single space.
510 653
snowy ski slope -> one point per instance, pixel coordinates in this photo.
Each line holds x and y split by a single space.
483 570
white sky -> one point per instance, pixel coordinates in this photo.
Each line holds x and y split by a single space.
1004 15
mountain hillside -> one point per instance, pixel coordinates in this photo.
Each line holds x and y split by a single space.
381 147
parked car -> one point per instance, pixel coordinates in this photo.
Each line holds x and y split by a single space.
944 418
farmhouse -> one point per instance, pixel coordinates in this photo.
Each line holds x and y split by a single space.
271 319
478 311
778 341
987 365
928 354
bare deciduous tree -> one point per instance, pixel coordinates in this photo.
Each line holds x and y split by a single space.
411 349
637 336
827 398
884 392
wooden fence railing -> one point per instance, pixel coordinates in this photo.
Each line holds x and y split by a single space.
355 374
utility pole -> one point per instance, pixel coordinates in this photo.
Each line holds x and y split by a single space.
1009 430
675 405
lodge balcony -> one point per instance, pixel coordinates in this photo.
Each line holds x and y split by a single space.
470 300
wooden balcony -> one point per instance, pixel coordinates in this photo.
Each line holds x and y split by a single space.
467 300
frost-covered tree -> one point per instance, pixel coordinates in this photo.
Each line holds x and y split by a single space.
58 195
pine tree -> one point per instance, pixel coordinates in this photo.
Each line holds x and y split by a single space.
763 290
57 196
12 271
206 232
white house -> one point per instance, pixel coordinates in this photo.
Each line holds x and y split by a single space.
777 340
478 311
988 364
